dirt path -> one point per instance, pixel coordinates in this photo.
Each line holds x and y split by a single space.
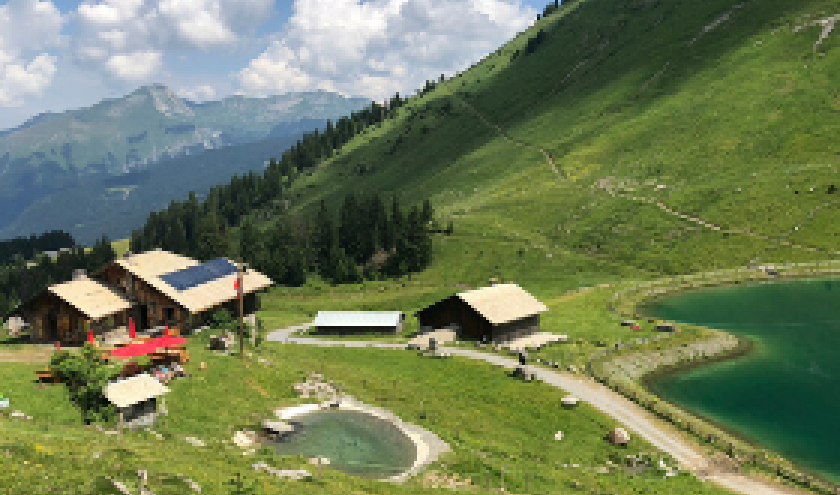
688 454
25 356
505 135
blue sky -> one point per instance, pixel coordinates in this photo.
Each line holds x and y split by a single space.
64 54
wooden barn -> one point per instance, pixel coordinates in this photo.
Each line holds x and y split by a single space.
498 313
64 311
345 322
170 289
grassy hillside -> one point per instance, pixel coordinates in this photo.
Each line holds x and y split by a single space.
724 107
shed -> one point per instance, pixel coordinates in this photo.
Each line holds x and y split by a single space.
499 313
136 399
359 321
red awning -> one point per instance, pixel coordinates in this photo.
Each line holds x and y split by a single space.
133 350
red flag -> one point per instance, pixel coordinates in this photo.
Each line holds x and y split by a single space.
166 331
238 286
58 345
90 336
131 328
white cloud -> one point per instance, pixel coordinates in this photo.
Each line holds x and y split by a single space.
27 29
198 93
379 47
137 65
113 33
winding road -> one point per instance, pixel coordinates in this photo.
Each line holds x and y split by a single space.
665 437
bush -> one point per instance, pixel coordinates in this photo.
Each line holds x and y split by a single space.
85 374
222 318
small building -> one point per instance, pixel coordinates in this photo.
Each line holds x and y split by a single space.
64 311
498 313
136 399
342 322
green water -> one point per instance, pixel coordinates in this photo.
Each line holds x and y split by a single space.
356 443
785 395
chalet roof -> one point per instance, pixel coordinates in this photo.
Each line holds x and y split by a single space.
357 319
502 303
132 390
151 265
91 297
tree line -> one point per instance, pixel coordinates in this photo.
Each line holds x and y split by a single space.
27 248
362 240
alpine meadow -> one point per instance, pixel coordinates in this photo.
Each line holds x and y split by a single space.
613 144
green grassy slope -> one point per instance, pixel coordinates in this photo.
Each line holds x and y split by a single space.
725 105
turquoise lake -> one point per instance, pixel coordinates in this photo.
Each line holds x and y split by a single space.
785 395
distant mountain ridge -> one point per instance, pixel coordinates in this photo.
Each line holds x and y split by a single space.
76 148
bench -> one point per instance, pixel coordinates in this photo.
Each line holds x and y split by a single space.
47 376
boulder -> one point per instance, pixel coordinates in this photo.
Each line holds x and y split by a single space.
558 435
618 437
277 426
324 461
569 400
245 438
194 442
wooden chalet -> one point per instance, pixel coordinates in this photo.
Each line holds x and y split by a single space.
169 289
498 313
64 311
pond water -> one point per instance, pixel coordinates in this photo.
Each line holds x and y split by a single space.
784 394
355 442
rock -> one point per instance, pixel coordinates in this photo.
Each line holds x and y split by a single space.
245 438
618 436
569 400
196 488
602 470
194 442
277 426
558 435
324 461
119 486
572 368
97 455
17 414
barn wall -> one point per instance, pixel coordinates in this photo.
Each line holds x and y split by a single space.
453 310
506 332
160 309
51 318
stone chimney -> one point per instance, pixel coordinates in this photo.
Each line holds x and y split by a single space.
80 274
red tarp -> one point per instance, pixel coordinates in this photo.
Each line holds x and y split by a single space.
167 341
133 350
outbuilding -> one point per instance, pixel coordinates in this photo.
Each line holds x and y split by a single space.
344 322
136 399
499 313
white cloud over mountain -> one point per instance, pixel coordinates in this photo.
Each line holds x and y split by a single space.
27 29
127 38
379 47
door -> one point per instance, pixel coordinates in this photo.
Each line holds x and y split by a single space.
143 320
52 325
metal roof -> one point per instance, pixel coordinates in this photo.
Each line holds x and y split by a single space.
132 390
502 303
357 319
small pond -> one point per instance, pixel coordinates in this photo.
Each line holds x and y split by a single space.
783 395
356 443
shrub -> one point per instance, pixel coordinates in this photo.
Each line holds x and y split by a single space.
85 374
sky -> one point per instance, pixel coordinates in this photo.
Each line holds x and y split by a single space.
65 54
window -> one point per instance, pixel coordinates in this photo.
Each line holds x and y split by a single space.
169 314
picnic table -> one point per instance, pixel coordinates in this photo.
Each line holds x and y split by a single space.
46 376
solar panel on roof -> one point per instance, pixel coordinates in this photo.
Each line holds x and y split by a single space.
193 276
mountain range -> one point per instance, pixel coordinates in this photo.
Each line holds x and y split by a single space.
85 153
